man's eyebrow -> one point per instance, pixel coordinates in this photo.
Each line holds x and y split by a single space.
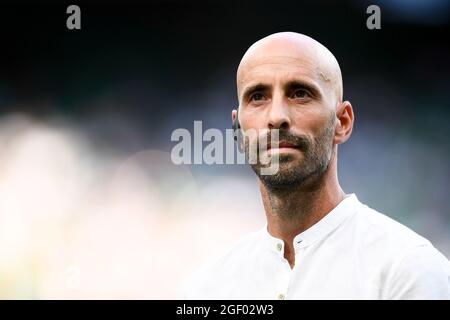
306 85
255 88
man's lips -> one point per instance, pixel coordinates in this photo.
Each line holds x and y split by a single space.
282 145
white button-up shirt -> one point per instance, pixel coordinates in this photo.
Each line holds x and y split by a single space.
354 252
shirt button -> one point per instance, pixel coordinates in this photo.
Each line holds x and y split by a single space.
279 246
281 296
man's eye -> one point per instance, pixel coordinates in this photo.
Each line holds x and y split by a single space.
300 94
256 97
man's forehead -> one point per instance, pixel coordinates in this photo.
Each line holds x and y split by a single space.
267 70
279 60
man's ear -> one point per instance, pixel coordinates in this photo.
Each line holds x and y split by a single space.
344 123
233 115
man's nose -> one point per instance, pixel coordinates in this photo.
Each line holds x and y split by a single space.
279 114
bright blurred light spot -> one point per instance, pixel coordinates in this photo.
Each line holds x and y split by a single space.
77 222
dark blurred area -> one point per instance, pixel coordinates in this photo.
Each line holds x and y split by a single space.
138 70
155 61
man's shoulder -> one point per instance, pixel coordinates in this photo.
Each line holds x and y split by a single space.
222 267
246 244
380 228
410 266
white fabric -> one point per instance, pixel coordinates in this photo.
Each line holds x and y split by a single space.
354 252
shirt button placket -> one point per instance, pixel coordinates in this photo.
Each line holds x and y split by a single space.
284 277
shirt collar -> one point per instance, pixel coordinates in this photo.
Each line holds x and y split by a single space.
324 226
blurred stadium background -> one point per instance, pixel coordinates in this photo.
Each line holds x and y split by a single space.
91 205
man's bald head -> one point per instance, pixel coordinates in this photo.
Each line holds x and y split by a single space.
298 48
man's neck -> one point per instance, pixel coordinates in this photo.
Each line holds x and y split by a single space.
290 212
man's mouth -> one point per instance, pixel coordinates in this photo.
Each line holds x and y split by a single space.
282 147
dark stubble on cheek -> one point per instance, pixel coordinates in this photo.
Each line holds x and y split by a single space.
307 170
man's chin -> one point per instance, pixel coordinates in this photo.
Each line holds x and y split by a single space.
280 180
284 170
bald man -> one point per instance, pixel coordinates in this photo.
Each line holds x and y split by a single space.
318 242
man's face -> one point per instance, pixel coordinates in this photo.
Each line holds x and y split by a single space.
291 94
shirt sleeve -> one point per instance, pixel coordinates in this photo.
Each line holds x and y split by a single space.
422 273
